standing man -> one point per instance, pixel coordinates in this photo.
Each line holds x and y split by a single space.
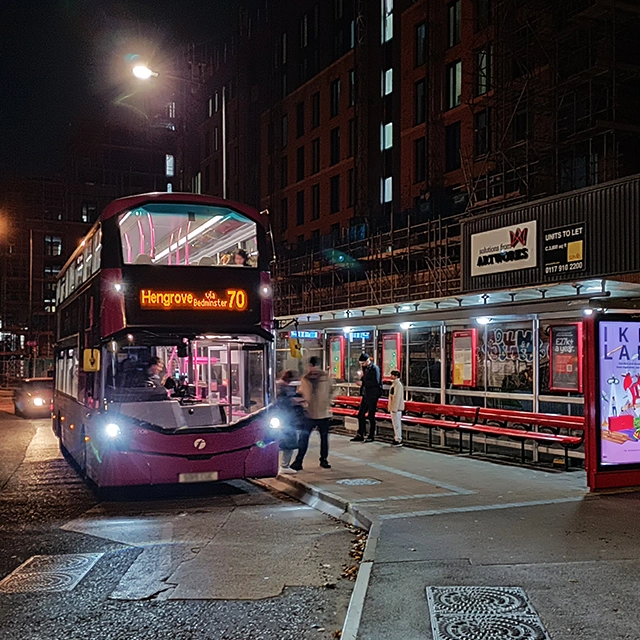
370 390
316 389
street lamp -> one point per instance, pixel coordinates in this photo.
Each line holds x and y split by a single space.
142 72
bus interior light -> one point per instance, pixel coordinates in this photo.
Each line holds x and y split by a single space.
112 430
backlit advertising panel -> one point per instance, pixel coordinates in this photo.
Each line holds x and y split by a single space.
619 392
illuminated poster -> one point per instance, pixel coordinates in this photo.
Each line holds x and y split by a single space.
336 355
619 385
565 373
391 347
464 358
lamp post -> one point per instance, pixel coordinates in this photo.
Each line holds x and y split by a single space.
143 72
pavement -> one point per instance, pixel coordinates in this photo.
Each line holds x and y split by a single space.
443 523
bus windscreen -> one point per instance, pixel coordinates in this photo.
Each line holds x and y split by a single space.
187 235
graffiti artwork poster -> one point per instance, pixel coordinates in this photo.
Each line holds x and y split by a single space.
619 388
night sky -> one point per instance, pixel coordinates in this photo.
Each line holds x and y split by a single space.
62 58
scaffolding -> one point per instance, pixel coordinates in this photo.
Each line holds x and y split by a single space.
384 267
561 104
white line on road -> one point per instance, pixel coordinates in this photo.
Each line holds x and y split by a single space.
480 507
415 496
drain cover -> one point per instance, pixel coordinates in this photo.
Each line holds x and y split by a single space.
355 482
49 573
483 613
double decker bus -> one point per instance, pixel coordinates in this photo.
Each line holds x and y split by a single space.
164 350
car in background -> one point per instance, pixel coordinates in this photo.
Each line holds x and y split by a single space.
33 398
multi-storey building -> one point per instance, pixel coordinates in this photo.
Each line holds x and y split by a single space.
370 129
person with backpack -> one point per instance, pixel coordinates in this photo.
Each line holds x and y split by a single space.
370 391
317 389
396 407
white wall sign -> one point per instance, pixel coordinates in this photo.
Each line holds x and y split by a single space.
505 249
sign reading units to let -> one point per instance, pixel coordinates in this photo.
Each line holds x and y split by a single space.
506 249
563 250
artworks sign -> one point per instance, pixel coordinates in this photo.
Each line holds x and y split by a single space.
229 300
565 373
563 250
505 249
619 387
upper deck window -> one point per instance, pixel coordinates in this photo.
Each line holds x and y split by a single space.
187 235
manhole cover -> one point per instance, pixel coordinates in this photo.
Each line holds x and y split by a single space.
49 573
358 481
483 613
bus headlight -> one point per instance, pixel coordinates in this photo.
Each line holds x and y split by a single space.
38 402
112 430
275 423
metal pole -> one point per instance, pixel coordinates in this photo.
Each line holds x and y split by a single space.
224 143
406 360
443 375
30 325
536 377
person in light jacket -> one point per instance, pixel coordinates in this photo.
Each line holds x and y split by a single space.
396 407
317 390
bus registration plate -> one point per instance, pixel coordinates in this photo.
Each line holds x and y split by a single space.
204 476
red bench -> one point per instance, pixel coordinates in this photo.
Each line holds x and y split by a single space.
483 421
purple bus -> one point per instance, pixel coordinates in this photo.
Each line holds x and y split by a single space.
164 345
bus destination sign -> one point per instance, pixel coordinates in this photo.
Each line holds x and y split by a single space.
227 300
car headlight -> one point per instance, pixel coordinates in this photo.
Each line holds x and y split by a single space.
38 402
275 423
112 430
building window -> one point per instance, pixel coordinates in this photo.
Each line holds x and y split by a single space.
284 172
52 246
386 189
89 211
483 14
210 106
335 146
216 138
216 101
483 71
386 136
285 131
352 137
482 132
335 98
352 88
315 155
283 48
419 102
300 164
454 84
338 9
335 231
452 146
351 192
387 20
171 110
207 144
284 213
304 31
334 188
387 82
300 208
315 201
421 44
522 125
300 239
169 165
169 187
419 160
315 110
300 120
454 23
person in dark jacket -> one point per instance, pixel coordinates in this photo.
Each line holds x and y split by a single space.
289 406
370 391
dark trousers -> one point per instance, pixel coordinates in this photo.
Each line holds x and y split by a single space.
368 408
303 438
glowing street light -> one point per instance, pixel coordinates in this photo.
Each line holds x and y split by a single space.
142 72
